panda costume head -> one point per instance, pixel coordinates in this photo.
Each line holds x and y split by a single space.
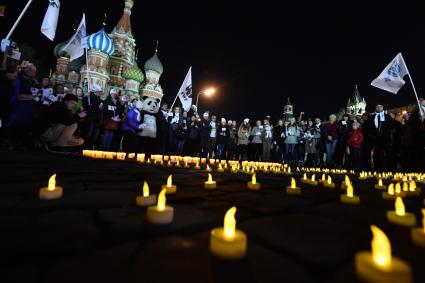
151 104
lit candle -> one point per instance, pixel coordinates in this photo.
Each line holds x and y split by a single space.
220 168
400 216
253 185
210 184
380 185
169 163
328 183
161 213
418 234
140 157
227 242
51 191
208 169
197 165
171 189
131 155
148 161
121 155
345 182
413 189
390 194
186 165
293 189
349 197
379 265
323 179
234 169
145 199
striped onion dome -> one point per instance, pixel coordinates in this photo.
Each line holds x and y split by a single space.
59 52
134 73
153 64
101 41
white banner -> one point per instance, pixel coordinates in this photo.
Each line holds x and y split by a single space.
185 92
50 22
391 78
76 45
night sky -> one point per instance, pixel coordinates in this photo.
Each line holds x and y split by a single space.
257 54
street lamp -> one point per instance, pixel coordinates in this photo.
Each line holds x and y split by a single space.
208 92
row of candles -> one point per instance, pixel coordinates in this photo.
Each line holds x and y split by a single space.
227 242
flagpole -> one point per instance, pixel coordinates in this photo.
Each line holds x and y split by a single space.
413 85
18 20
88 76
169 110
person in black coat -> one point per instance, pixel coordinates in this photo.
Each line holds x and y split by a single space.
278 141
344 126
163 128
192 142
382 128
204 134
92 125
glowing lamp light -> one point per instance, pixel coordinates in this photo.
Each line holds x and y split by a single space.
171 189
227 242
145 199
160 214
400 216
253 185
51 191
379 265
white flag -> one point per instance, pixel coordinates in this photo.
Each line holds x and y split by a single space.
391 78
75 46
185 92
50 22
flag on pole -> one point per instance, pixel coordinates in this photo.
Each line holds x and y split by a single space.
50 22
185 92
75 46
391 78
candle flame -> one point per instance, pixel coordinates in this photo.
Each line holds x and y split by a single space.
380 182
391 189
145 189
350 191
170 181
230 223
329 180
412 186
254 179
210 178
161 200
405 186
399 207
323 177
398 188
381 248
313 177
304 176
293 183
52 183
289 170
219 166
347 180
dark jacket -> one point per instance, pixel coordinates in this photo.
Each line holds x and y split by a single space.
193 132
94 113
382 135
355 138
330 130
58 113
111 108
205 129
222 134
343 131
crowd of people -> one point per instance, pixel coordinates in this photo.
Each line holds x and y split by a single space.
35 114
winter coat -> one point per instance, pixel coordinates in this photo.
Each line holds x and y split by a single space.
222 134
292 133
355 138
243 134
131 121
256 134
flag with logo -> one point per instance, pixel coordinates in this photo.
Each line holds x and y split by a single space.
391 78
75 46
185 92
50 22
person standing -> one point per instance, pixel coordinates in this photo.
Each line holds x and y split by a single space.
330 132
267 139
192 143
355 143
111 117
278 142
222 135
176 124
212 141
312 138
344 127
231 140
300 148
382 139
163 128
292 133
257 142
244 132
204 134
93 123
182 134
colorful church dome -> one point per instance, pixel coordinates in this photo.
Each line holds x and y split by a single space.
134 73
59 52
101 41
154 64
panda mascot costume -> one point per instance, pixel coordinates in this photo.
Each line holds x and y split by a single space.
151 94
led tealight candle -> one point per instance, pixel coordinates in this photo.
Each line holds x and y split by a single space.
186 165
293 189
148 161
208 169
220 168
400 216
380 185
169 163
418 234
413 189
121 155
160 214
346 182
380 266
171 189
210 184
197 165
323 180
329 183
390 194
227 242
145 199
51 191
140 157
349 197
234 169
253 185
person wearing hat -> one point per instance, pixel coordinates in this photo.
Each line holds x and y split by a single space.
131 126
267 138
93 124
243 139
60 125
112 114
